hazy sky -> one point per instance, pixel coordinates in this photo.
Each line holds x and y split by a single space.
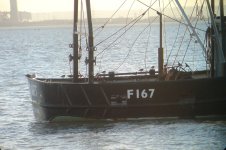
56 5
35 6
62 5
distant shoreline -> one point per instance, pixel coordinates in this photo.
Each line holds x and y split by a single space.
36 23
96 21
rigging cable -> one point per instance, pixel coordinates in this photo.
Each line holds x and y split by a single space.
203 17
131 48
84 23
148 39
186 50
178 29
140 34
138 37
84 27
125 28
135 39
164 31
103 26
80 35
188 43
168 16
198 17
133 22
208 22
204 52
205 55
186 29
184 34
130 10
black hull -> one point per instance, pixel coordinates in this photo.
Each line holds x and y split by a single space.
52 98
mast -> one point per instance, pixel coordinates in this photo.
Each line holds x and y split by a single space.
160 50
90 46
212 64
75 42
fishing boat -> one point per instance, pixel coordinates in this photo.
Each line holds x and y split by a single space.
165 91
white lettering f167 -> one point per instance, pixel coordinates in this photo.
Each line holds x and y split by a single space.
140 93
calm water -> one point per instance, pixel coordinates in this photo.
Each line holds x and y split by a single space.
44 50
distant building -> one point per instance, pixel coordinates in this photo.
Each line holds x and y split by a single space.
14 16
13 11
4 16
24 16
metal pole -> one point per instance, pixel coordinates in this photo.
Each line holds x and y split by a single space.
75 42
219 54
160 50
223 34
215 31
212 68
91 45
223 26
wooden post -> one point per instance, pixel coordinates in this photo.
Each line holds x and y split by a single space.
75 42
91 45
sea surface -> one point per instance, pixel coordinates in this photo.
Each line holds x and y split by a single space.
44 51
